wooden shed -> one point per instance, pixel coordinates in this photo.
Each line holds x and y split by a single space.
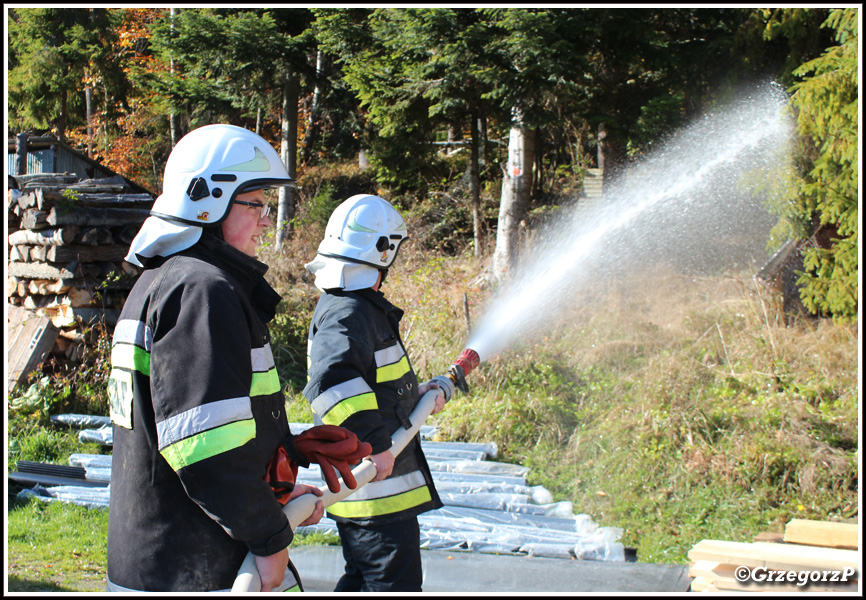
29 155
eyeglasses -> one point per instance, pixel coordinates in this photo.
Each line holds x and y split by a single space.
265 208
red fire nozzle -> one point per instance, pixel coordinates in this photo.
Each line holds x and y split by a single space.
457 372
461 367
468 360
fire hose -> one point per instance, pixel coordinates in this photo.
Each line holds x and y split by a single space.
300 509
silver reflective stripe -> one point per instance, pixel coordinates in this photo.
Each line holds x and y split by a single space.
133 332
202 418
336 394
388 487
389 356
262 358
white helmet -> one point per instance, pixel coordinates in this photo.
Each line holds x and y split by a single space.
209 167
364 229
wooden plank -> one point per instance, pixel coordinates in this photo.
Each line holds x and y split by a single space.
773 556
823 533
723 577
31 338
766 536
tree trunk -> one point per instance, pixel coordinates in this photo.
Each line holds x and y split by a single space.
516 187
89 108
312 130
602 135
61 118
21 150
474 185
482 137
611 154
172 117
289 153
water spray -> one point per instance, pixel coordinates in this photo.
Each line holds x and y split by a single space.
670 180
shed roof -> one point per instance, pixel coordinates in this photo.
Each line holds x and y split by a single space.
47 154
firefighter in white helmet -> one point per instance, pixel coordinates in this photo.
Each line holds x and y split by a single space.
360 377
201 439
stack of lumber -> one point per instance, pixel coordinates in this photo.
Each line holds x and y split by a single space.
67 239
827 552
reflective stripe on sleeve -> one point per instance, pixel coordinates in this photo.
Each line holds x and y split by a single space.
339 402
262 359
132 358
210 443
130 346
265 379
205 431
129 331
391 363
265 383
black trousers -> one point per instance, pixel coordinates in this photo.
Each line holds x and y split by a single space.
381 558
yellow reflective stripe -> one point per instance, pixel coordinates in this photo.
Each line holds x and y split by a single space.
349 407
294 588
265 383
392 372
131 357
209 443
381 506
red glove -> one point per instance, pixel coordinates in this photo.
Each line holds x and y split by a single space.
333 447
281 474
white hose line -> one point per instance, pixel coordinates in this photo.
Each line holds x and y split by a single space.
299 510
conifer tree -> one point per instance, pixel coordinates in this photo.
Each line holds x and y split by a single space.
826 196
55 54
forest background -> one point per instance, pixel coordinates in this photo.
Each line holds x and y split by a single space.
644 421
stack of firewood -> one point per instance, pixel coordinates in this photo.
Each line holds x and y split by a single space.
811 556
67 240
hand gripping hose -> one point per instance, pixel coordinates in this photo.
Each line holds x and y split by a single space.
300 509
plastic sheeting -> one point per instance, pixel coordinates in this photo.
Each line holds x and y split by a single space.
489 507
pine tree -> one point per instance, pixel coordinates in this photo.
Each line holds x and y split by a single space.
826 103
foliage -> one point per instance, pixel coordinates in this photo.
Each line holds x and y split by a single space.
323 188
55 54
63 388
825 191
228 62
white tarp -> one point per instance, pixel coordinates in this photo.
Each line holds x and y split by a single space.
489 507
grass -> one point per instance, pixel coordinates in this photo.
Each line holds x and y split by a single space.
677 407
56 548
